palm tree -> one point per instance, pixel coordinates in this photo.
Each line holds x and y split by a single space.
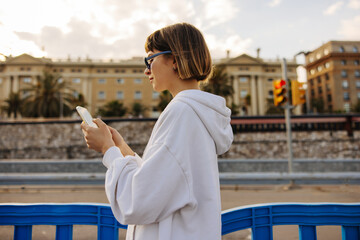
47 97
13 104
219 83
112 109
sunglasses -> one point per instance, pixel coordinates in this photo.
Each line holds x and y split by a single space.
148 65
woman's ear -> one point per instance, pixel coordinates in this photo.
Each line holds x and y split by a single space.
174 65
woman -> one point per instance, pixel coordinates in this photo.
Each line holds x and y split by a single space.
173 191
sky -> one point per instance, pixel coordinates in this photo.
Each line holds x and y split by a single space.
117 29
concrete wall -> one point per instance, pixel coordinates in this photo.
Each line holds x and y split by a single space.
65 141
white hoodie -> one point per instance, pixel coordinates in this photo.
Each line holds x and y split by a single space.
173 191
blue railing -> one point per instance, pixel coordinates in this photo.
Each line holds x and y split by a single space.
259 218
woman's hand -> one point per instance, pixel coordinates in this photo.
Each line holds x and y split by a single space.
100 139
120 143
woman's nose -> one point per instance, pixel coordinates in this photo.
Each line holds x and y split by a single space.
147 71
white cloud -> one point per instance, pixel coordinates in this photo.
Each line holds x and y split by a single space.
234 43
217 12
354 4
274 3
350 28
333 8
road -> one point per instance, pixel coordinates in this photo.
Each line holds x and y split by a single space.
232 196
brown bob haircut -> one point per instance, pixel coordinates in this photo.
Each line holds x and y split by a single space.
187 45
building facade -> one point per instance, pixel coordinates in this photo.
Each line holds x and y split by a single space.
101 82
333 76
98 81
252 81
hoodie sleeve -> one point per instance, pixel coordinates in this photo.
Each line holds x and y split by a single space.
148 193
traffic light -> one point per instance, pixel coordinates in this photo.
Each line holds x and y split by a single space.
297 92
279 87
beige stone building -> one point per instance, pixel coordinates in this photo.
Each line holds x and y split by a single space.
104 81
252 78
333 75
99 81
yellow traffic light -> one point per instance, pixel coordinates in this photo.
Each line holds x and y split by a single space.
297 92
279 87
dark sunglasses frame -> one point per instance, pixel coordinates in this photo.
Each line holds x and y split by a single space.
148 65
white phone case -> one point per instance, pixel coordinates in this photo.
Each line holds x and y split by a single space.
86 116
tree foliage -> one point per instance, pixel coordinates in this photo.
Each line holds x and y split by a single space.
112 109
47 97
12 105
164 99
219 83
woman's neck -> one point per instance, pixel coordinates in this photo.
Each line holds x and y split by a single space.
184 85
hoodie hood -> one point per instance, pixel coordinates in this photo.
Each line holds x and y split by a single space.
214 114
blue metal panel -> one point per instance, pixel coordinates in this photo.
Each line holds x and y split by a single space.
307 232
64 232
350 232
23 232
260 218
262 233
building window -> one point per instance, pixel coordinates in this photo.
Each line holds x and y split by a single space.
312 71
271 93
137 81
25 94
319 68
326 51
343 62
137 95
101 95
357 83
60 80
356 62
155 95
320 90
329 98
347 107
120 95
346 96
311 82
341 49
327 76
319 79
243 79
344 73
327 65
102 81
76 80
357 73
355 49
318 56
75 94
358 95
312 92
243 93
27 80
270 79
345 84
120 81
0 80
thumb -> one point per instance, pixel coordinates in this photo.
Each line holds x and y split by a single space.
99 122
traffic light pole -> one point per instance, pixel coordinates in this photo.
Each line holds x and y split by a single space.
287 108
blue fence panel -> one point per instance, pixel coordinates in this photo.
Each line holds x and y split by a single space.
259 218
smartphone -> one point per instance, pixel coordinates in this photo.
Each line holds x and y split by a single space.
86 116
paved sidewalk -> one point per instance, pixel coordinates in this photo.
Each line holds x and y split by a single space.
232 196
